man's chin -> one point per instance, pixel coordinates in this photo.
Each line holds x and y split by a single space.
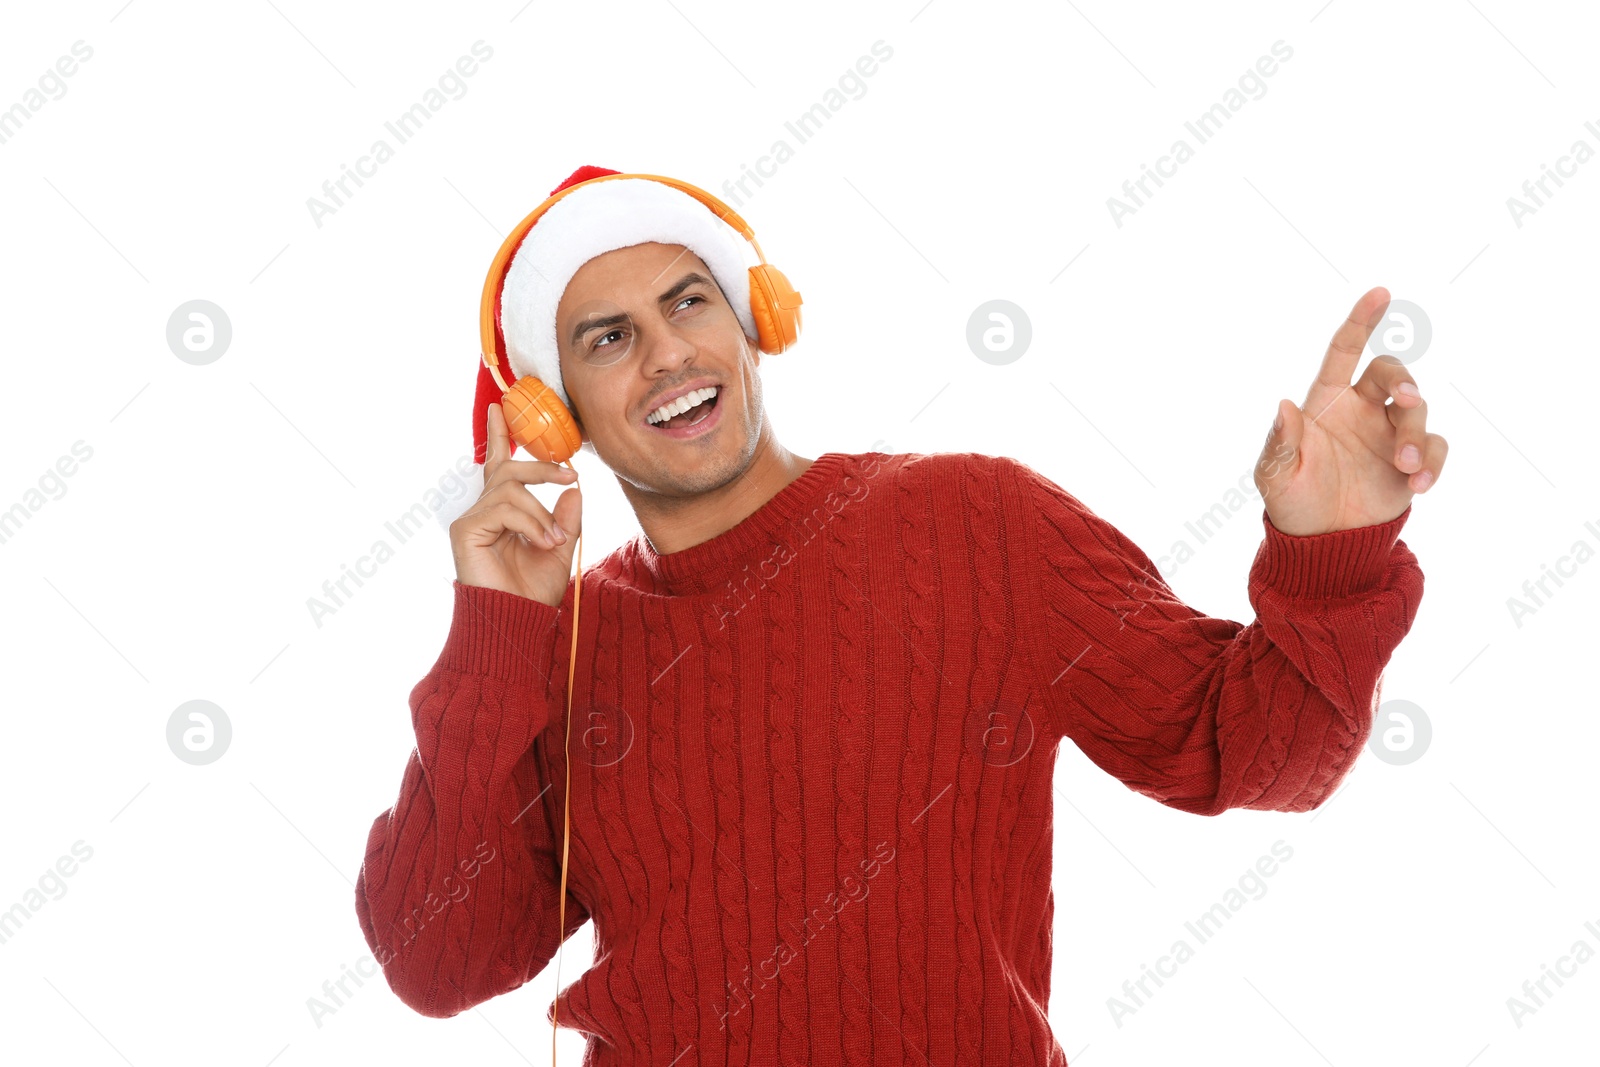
679 471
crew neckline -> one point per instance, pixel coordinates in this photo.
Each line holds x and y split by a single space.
706 566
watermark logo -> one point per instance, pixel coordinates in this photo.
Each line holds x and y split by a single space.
999 332
1003 735
199 732
1405 332
1401 732
199 332
605 735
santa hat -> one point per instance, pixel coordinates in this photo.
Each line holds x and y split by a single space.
586 223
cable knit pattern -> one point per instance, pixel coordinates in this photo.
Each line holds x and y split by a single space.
853 699
812 758
975 495
729 869
780 623
915 496
664 761
605 739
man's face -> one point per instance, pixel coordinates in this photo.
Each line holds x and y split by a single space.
636 329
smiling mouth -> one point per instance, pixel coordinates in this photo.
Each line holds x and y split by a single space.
687 410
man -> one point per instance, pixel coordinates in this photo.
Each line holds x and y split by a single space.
816 703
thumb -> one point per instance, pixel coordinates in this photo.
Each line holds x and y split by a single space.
1280 457
568 512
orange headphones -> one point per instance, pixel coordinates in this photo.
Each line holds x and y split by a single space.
537 420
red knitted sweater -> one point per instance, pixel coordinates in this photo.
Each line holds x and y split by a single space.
812 758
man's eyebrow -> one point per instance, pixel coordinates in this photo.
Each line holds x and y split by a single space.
585 325
692 278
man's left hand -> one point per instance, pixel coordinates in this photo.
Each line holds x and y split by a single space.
1346 457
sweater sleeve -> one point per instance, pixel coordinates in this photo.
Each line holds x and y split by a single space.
1204 714
458 894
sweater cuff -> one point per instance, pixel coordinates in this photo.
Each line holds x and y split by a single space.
500 635
1326 566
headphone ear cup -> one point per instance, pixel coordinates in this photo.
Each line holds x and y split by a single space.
775 306
539 422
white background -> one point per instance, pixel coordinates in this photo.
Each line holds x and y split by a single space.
177 563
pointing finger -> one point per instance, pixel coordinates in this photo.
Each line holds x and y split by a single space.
1344 351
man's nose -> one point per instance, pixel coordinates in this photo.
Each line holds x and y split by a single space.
665 350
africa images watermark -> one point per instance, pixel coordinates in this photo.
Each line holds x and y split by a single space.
1566 967
1210 522
1566 167
808 124
402 128
1566 567
452 486
454 893
1204 127
52 886
1204 928
740 592
52 486
53 82
816 920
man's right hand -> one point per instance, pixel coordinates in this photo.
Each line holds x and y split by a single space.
507 540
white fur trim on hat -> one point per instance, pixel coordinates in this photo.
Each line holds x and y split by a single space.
591 221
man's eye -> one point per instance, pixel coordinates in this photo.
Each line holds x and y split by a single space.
601 343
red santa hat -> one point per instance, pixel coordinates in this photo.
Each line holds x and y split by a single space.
589 222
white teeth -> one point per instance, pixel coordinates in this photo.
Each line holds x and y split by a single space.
680 405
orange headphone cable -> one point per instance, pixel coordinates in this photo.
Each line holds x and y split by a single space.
566 809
